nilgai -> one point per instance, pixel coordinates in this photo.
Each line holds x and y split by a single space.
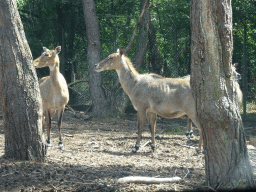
54 90
152 94
239 98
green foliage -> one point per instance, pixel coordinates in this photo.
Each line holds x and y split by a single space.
51 23
172 22
61 22
175 129
244 15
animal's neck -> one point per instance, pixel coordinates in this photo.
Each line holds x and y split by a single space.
55 71
128 76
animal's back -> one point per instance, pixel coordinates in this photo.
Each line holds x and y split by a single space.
164 96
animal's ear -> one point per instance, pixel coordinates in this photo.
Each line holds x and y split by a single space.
235 64
121 52
57 50
118 51
45 49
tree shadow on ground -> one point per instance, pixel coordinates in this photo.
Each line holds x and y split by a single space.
52 176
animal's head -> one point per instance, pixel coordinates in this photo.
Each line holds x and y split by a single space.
48 58
113 61
235 74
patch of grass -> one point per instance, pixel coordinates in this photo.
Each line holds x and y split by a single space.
105 119
250 110
173 130
253 140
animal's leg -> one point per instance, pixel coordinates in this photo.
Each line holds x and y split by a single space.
48 120
157 136
44 120
200 140
60 115
152 127
141 121
189 132
197 124
52 112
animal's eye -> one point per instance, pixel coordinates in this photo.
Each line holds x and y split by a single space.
111 57
46 54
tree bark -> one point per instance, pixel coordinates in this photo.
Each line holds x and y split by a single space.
142 39
19 89
213 86
101 107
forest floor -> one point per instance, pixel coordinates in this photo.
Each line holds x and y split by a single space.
99 152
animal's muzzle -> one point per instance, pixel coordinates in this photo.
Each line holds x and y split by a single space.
239 76
97 68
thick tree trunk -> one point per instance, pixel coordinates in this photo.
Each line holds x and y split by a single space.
213 86
101 107
19 89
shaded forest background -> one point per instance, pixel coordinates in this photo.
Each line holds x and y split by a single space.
51 23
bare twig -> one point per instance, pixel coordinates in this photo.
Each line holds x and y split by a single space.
71 109
175 172
144 145
186 174
210 187
88 109
75 82
136 27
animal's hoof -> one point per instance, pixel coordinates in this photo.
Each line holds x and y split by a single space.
153 147
134 150
191 134
188 135
48 145
198 150
157 136
151 151
203 154
61 146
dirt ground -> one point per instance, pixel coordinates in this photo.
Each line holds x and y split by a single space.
99 152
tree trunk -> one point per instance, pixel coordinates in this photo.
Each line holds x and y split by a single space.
101 107
19 89
213 86
142 39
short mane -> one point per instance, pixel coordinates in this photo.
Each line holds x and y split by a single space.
129 63
156 76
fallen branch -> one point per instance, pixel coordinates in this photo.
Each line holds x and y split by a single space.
141 147
147 180
75 82
188 146
67 135
71 109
